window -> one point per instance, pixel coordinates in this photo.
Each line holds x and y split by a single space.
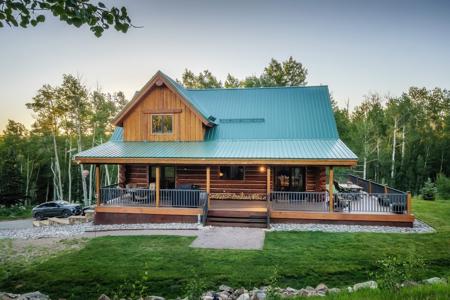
161 124
290 179
167 177
231 173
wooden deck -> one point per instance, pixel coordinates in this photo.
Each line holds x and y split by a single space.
239 205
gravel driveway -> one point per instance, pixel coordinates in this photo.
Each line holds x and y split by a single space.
17 224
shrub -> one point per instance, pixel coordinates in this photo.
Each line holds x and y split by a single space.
194 287
393 271
443 186
429 190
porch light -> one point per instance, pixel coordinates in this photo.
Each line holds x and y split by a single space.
262 169
221 174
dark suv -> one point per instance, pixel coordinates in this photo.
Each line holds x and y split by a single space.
56 209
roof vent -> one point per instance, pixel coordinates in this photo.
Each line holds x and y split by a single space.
239 120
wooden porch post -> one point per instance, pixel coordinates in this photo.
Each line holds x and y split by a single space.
208 183
268 181
408 203
97 184
330 187
157 183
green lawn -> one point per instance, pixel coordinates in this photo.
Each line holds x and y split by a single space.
300 259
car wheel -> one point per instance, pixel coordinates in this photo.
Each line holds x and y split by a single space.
38 216
66 213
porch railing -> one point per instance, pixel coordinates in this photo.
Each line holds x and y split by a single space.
141 197
304 201
116 196
182 198
363 202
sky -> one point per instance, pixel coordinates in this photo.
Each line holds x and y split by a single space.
354 47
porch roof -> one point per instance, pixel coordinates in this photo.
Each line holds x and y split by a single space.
301 149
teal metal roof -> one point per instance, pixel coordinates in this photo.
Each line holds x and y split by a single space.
226 149
253 123
281 113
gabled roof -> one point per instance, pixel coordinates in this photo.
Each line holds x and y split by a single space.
158 79
283 123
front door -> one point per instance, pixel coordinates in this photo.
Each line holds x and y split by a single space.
290 179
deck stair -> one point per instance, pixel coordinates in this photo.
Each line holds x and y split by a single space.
237 218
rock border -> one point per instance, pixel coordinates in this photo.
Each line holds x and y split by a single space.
419 227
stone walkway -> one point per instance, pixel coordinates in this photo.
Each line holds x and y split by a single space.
230 238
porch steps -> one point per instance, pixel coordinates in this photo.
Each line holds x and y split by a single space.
237 218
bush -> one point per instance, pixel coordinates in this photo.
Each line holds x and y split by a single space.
443 186
429 190
393 271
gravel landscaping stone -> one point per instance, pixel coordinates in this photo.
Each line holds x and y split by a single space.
418 227
66 231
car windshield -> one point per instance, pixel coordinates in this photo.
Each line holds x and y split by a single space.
62 202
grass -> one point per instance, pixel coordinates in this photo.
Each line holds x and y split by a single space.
299 259
434 292
15 213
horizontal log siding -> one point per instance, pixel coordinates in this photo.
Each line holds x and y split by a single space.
254 180
316 179
137 174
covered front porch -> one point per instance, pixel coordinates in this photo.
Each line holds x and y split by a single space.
264 193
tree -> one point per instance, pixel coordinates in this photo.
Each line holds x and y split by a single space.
11 188
203 80
97 16
232 82
287 73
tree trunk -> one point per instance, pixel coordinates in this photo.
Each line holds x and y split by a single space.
403 144
57 170
394 145
69 172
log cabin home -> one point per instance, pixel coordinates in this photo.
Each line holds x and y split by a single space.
234 157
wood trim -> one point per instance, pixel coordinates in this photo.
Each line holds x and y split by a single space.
408 203
162 111
268 181
97 184
215 161
340 216
157 78
330 188
157 184
150 210
208 183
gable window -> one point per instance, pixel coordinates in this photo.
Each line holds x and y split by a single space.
162 124
231 172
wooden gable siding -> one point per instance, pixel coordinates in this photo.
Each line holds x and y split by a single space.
186 126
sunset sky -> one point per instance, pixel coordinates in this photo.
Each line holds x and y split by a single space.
354 47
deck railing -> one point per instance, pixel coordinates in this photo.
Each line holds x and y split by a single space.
304 201
115 196
370 186
182 198
363 202
141 197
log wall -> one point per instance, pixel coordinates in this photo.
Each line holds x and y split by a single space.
254 180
